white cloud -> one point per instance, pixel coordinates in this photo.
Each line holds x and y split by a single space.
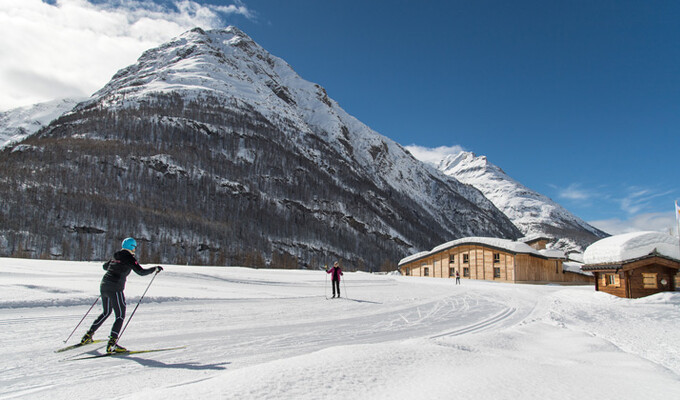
73 47
660 222
639 199
433 155
574 191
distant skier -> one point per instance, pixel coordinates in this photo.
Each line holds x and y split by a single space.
335 272
457 278
111 289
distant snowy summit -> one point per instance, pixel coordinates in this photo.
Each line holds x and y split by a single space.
533 213
19 123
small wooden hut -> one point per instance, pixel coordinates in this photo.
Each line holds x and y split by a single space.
634 265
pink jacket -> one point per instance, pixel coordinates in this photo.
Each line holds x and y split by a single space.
336 271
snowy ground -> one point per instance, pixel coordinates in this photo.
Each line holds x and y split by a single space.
264 334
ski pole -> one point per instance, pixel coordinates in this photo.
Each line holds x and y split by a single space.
344 287
325 285
81 321
138 303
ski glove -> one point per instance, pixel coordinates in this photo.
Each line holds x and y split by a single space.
159 269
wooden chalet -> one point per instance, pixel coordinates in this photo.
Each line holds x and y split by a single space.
634 265
636 278
492 259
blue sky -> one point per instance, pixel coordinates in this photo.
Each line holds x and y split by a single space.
578 100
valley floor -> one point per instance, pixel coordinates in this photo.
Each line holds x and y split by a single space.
271 334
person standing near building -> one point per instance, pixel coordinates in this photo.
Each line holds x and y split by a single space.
335 272
457 278
111 289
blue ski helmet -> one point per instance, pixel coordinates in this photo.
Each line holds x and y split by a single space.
129 244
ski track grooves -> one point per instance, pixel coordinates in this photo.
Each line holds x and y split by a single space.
480 326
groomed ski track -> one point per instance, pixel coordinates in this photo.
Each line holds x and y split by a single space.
284 318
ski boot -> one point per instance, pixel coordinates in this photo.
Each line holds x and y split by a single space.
112 347
87 338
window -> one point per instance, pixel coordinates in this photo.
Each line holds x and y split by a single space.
466 258
496 258
466 272
649 281
452 272
611 280
452 258
408 271
426 271
496 272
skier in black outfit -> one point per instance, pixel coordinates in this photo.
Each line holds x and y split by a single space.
112 287
335 277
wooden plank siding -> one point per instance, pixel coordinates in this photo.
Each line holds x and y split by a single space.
534 269
481 262
628 279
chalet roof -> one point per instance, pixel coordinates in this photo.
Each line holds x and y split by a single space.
631 246
534 238
501 244
618 265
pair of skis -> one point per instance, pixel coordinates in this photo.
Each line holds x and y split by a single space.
122 353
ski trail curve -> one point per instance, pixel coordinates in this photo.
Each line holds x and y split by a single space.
481 325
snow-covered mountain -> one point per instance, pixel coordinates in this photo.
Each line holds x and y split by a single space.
533 213
211 150
19 123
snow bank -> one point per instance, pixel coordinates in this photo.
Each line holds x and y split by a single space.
629 246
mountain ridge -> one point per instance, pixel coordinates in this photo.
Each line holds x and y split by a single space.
533 213
211 150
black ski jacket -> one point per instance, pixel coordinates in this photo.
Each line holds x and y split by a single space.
119 268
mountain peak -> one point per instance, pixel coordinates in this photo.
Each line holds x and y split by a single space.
265 162
225 62
532 212
464 159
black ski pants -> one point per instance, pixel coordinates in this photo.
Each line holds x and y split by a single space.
335 284
111 301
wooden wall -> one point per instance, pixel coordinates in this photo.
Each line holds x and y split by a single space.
535 269
635 278
480 264
616 289
629 281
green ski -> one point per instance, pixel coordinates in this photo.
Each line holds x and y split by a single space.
75 346
125 353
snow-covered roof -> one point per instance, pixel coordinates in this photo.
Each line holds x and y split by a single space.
534 237
503 244
573 256
414 257
630 246
552 253
575 267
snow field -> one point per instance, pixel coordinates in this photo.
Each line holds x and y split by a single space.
270 334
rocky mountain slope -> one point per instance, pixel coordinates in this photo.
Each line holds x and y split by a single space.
210 150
